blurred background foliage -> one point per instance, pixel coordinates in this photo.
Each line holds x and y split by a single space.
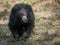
47 22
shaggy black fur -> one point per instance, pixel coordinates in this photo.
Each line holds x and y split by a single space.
18 24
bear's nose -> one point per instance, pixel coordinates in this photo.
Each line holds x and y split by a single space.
24 19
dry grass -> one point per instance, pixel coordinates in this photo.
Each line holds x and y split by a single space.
46 31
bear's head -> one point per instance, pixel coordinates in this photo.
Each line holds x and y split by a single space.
22 15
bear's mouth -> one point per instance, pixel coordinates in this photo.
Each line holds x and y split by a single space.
25 21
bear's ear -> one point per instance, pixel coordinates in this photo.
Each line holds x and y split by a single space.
15 8
29 8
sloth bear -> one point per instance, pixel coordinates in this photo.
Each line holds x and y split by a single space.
21 21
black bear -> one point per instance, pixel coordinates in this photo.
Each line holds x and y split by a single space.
21 21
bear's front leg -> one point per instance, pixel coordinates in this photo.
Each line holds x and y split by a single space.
28 31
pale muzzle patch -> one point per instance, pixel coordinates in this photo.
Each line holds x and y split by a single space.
24 19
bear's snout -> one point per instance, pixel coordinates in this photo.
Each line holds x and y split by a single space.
24 19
